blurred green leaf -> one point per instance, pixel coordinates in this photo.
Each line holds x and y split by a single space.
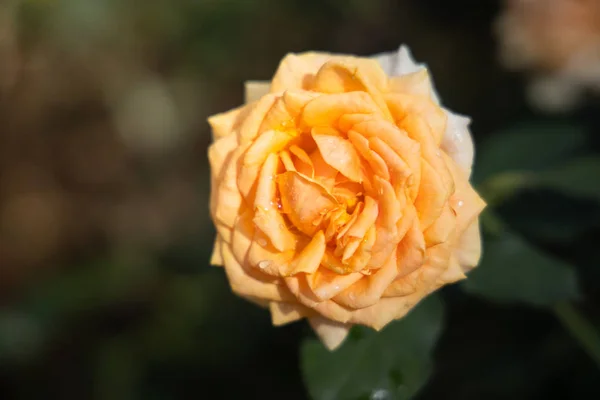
580 177
550 215
529 146
392 364
511 270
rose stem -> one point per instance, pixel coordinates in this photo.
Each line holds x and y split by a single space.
580 328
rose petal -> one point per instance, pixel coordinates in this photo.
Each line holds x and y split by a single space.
339 153
325 283
296 71
216 258
368 290
331 333
416 83
442 228
465 201
326 110
468 247
267 143
223 124
402 105
458 143
267 214
251 283
304 201
254 90
284 313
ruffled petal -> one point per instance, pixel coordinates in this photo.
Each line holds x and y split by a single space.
339 153
304 201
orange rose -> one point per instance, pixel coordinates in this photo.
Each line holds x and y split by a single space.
341 194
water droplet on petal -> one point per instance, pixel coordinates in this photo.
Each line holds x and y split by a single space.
460 203
264 264
262 242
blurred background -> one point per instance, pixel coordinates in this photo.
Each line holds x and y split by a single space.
105 237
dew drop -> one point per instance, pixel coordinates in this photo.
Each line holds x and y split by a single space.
460 203
262 242
264 264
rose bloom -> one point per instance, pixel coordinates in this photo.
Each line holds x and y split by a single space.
340 192
559 41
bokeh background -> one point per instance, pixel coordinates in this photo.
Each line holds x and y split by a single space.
105 286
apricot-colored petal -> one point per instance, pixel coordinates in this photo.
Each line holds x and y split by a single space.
416 83
326 110
442 227
309 259
436 261
223 124
347 121
458 143
432 196
284 313
375 161
387 233
299 287
368 290
366 219
267 143
363 253
468 248
265 258
385 311
247 282
453 273
304 163
295 100
267 214
341 75
296 71
216 258
399 170
332 334
254 90
325 283
304 201
279 118
254 116
225 198
351 75
287 161
403 105
410 255
408 149
339 153
465 201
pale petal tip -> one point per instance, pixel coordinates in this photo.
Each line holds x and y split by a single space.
254 90
331 333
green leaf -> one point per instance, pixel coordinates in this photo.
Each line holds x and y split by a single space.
529 146
391 364
580 178
511 270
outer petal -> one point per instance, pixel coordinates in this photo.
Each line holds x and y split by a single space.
216 258
254 90
246 282
284 313
457 141
223 124
331 333
468 249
